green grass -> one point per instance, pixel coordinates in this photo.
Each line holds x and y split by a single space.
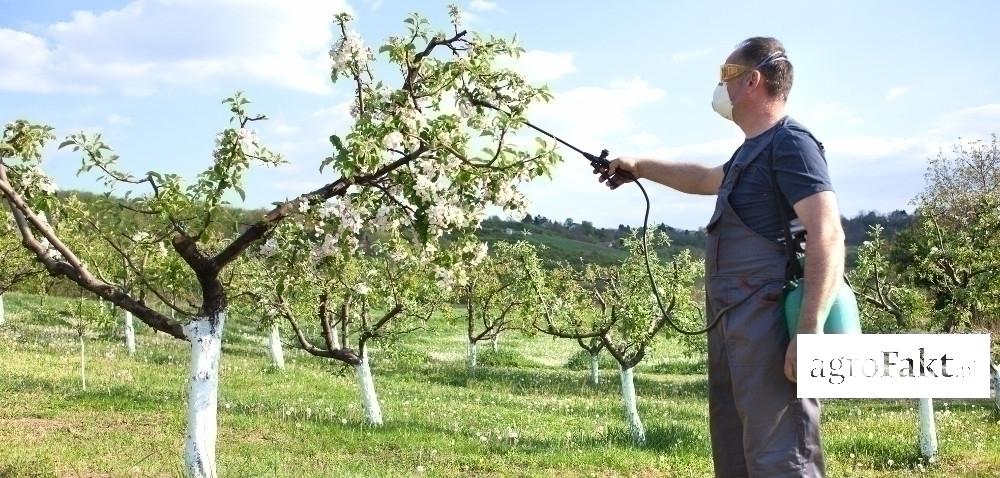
528 416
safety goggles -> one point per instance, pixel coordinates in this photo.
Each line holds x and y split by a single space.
729 71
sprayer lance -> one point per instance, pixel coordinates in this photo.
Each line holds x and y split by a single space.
598 162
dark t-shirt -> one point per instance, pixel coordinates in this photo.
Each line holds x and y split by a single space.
801 172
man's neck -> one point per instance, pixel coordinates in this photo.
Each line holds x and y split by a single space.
762 120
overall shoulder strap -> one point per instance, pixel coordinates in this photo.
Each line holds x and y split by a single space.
794 269
752 154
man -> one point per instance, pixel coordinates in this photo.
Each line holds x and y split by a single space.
758 426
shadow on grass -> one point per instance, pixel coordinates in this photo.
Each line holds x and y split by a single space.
548 381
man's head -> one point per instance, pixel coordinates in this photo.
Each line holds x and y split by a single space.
757 75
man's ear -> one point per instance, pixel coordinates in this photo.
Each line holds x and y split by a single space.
754 79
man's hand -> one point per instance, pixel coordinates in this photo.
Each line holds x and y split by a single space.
791 358
609 177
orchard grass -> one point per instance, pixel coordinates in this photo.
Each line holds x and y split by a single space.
536 417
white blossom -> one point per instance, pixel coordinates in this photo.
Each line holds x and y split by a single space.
35 178
481 250
326 210
506 194
326 248
363 289
445 278
393 140
349 49
410 118
269 247
50 251
443 214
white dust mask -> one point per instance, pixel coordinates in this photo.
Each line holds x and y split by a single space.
721 102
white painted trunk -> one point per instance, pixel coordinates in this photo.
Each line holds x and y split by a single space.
473 356
495 343
3 314
928 432
203 396
83 365
996 384
129 333
274 346
369 399
635 427
595 374
336 338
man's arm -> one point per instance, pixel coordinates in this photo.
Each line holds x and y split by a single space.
685 177
824 257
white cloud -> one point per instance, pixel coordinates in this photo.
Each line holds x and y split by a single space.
148 45
594 112
538 66
977 122
483 6
896 92
683 56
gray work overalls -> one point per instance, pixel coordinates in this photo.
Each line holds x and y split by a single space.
758 427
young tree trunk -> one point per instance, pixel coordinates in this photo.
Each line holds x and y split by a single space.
3 314
473 356
495 342
635 427
336 338
995 380
83 364
595 377
129 333
274 346
205 335
369 399
928 432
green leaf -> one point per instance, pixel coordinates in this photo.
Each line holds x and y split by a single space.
66 143
325 163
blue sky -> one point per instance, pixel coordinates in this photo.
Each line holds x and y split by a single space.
884 85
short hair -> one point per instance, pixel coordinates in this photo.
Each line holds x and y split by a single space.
777 74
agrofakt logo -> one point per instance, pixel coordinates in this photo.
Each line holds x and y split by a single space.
893 366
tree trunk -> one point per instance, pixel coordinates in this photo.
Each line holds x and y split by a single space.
495 342
274 346
205 335
595 376
129 333
928 432
83 364
635 427
996 384
369 399
3 314
336 338
473 356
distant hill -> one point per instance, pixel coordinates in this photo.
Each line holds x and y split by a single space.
571 241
